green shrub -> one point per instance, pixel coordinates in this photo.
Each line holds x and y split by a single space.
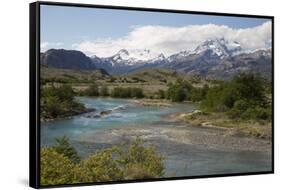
59 102
129 161
136 93
161 94
141 162
63 147
51 108
55 168
198 94
213 100
240 106
104 91
120 92
258 113
242 98
92 90
178 91
101 166
63 93
182 90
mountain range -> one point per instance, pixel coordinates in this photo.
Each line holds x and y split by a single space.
216 58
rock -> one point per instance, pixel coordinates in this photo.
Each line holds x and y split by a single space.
106 112
152 103
92 116
196 111
88 110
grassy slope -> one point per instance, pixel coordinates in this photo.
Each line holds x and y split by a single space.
150 80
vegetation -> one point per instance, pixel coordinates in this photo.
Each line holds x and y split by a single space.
242 104
148 83
182 90
131 161
104 91
63 147
120 92
92 90
55 168
59 102
253 128
50 75
244 97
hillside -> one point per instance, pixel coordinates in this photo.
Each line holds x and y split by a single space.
70 75
66 59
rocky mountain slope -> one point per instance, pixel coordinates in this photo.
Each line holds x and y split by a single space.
216 59
66 59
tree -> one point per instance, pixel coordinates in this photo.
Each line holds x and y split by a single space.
161 94
136 93
128 92
213 101
63 147
93 90
242 98
178 91
59 102
104 91
64 93
51 108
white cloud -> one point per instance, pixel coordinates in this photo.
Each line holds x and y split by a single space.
169 40
48 45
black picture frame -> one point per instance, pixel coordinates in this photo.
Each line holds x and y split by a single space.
34 93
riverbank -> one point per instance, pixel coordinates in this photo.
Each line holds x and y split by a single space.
69 115
241 128
181 133
152 102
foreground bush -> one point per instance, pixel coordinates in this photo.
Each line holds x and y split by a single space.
63 147
55 168
141 162
131 161
102 166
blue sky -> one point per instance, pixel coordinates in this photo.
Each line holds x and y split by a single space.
68 27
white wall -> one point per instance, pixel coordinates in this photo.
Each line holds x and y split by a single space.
14 93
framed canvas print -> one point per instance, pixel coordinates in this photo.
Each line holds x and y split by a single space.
122 94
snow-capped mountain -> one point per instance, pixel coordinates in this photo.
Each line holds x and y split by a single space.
125 61
216 48
215 57
221 59
178 56
134 57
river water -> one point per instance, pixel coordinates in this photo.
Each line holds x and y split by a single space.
89 132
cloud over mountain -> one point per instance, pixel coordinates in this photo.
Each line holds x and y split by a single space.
46 45
170 40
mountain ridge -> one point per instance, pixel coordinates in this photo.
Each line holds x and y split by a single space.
213 58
